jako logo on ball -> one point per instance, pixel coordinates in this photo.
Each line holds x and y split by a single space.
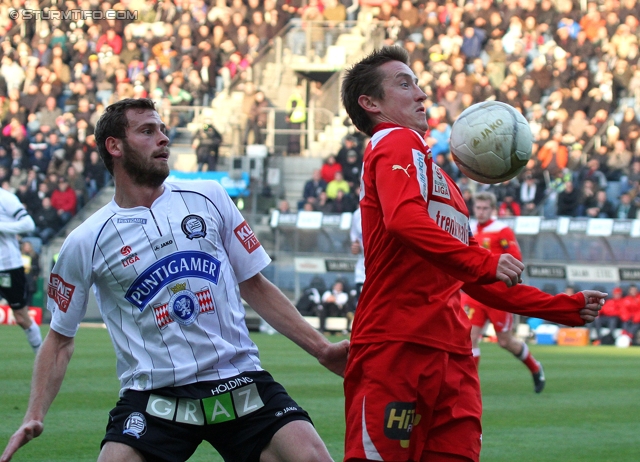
491 142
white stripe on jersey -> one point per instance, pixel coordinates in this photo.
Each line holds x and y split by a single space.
175 316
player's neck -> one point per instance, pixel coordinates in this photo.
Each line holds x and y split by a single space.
129 195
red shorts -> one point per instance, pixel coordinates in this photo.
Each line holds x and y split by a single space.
479 314
404 399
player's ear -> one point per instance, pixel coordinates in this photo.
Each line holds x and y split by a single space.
368 103
114 146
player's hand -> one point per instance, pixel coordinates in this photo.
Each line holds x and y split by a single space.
509 270
28 431
593 301
334 357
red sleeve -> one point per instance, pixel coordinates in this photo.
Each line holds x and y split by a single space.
397 171
530 301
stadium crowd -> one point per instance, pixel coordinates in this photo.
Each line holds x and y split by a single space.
573 72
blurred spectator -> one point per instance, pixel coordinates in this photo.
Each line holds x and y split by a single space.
64 200
352 170
31 263
47 220
568 201
531 194
337 184
609 317
329 169
257 119
206 142
312 189
333 303
626 209
630 312
599 206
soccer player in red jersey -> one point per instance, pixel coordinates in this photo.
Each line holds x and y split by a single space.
411 385
498 238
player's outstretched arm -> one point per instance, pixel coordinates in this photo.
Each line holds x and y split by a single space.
593 301
270 303
48 373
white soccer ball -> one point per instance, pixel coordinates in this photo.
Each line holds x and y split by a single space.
491 142
623 341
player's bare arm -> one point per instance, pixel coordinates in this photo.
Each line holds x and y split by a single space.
593 301
509 269
49 370
270 303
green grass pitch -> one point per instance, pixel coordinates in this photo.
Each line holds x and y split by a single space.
589 411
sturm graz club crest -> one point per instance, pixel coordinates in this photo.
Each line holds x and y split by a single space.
194 226
135 425
183 305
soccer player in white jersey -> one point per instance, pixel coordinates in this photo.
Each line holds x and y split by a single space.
168 263
15 220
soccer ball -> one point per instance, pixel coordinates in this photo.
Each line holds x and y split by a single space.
491 142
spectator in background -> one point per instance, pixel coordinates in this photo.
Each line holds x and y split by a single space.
64 200
31 264
312 189
352 169
568 201
626 210
599 206
333 303
47 221
630 312
256 119
337 184
329 169
531 194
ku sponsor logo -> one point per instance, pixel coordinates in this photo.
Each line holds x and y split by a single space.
60 291
245 235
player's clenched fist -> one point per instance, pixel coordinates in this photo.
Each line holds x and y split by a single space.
509 270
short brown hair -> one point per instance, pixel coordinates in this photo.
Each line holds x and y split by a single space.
364 78
486 196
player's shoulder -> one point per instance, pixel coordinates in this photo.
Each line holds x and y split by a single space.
204 187
497 226
397 136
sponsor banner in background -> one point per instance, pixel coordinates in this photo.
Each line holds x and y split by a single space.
546 271
592 273
234 187
6 315
340 266
630 274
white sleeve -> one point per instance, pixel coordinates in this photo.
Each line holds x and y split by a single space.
246 254
69 284
22 221
356 227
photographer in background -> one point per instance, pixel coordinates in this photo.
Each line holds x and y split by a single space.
207 143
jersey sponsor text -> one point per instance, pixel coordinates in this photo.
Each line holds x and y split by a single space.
60 291
247 238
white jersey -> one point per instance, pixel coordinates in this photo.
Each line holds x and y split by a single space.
14 220
166 281
356 235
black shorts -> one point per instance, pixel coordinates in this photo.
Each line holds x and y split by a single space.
13 287
237 416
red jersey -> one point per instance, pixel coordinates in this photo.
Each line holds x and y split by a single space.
496 237
629 309
419 253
